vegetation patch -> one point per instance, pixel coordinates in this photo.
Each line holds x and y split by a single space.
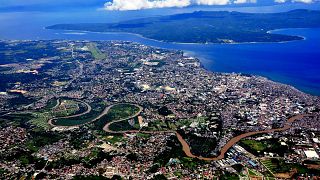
157 125
255 145
95 51
199 146
97 109
68 107
117 112
114 139
259 147
277 166
125 125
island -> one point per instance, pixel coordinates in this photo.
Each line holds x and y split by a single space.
209 26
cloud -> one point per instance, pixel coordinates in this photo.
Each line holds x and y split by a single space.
124 5
301 1
144 4
244 1
212 2
149 4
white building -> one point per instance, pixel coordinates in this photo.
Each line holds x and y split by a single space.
311 154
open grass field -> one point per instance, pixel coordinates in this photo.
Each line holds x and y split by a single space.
68 108
269 145
255 145
253 172
41 120
281 169
118 112
64 108
130 124
96 53
114 139
121 111
275 166
157 125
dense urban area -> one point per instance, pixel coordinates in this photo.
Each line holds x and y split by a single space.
122 110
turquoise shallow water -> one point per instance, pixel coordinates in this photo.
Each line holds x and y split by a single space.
295 63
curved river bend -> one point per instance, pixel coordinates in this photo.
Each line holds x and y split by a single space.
186 147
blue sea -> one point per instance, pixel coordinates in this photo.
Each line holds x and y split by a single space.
295 63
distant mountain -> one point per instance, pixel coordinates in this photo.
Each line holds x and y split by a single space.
209 26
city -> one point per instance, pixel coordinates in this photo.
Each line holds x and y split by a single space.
118 109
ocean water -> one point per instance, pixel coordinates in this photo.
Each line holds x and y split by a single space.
295 63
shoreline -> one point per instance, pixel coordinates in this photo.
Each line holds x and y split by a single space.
83 32
274 31
193 54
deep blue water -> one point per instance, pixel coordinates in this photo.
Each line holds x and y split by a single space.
296 63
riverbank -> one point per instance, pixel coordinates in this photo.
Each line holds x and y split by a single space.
103 113
60 127
51 121
186 147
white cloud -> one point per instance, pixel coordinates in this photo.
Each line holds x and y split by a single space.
244 1
124 5
301 1
149 4
144 4
212 2
280 1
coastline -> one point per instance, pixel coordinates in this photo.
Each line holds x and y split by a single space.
186 147
167 45
81 32
193 54
274 31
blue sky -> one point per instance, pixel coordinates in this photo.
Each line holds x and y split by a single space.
44 5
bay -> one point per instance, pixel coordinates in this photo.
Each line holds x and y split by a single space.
295 63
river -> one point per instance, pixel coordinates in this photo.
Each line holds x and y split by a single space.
186 147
